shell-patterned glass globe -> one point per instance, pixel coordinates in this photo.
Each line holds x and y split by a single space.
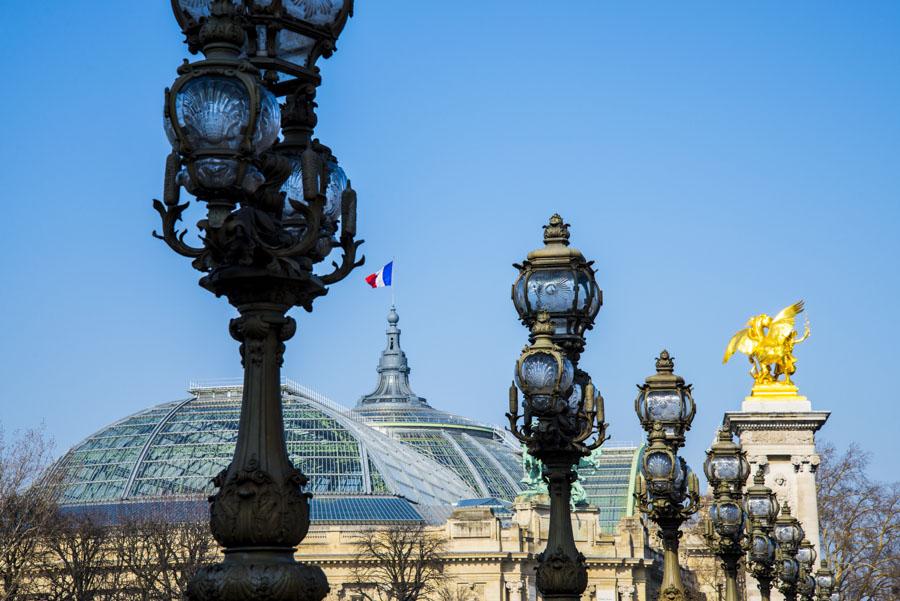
212 127
760 508
539 373
293 190
789 570
825 580
727 517
762 548
326 17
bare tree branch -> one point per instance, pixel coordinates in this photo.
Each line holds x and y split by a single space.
399 563
26 510
859 526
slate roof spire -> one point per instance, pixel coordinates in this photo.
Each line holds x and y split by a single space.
393 371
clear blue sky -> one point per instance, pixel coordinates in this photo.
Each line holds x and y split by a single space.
715 160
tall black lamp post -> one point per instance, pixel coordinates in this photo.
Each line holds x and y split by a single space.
667 491
562 415
761 507
726 468
274 209
788 535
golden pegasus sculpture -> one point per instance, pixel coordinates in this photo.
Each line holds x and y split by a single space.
769 344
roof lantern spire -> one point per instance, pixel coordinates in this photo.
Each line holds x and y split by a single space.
393 371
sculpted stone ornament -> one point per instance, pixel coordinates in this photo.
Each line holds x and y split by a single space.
769 345
671 593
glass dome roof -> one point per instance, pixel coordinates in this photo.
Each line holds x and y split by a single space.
364 464
175 449
479 454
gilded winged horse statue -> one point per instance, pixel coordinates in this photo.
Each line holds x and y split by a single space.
769 344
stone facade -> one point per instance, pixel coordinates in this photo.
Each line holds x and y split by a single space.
493 559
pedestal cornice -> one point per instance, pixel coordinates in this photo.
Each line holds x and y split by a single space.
740 421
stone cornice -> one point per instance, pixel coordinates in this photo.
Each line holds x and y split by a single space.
739 421
485 558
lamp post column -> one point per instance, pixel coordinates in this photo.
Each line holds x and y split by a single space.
670 533
561 572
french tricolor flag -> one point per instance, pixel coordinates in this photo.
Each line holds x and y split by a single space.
382 277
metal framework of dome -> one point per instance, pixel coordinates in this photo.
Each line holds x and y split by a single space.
479 454
173 450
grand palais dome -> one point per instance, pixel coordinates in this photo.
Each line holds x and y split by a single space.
392 457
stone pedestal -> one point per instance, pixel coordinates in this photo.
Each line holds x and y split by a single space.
777 427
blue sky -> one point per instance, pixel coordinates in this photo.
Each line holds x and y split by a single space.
715 160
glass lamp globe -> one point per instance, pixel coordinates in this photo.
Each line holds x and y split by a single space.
543 372
806 554
208 121
787 531
557 279
576 397
664 399
281 34
727 518
825 577
540 374
760 502
725 461
762 548
789 570
293 190
657 471
809 585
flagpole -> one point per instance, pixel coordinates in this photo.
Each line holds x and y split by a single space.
393 280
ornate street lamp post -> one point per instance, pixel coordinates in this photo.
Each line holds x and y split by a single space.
806 557
272 214
726 468
557 297
667 491
788 535
761 507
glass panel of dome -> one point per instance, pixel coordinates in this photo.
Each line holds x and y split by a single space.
497 483
378 483
433 444
506 455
